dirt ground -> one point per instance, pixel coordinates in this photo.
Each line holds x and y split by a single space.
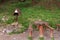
24 36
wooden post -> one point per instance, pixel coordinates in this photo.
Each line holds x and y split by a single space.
41 31
58 26
51 34
30 33
30 30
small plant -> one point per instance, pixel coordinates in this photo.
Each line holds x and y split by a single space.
41 38
52 38
30 38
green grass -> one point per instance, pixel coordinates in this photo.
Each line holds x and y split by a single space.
17 32
52 38
30 38
30 12
42 38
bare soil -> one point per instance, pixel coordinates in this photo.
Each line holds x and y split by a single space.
24 36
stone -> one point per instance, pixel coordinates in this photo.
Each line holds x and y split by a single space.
15 26
15 23
7 29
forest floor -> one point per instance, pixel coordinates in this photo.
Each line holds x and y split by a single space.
32 12
24 36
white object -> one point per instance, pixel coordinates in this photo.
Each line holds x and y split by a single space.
16 11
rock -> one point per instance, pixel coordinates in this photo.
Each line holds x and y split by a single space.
4 30
10 28
20 26
7 31
15 23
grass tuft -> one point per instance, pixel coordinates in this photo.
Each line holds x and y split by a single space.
41 38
